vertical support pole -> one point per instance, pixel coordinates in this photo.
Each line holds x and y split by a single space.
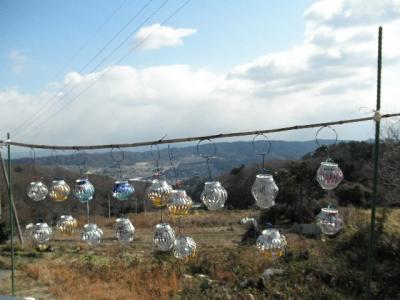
109 207
371 245
11 216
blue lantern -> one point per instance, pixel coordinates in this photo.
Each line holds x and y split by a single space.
122 190
83 190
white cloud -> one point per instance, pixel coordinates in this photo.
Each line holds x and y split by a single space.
327 77
157 36
18 60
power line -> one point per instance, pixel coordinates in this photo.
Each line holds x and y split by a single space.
199 138
29 130
49 104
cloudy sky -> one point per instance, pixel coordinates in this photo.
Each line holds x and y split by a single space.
79 72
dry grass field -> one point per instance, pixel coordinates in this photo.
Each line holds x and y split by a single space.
223 269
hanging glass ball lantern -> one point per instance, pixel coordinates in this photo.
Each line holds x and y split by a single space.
271 243
122 190
329 175
40 233
184 248
124 230
83 190
91 234
179 203
164 237
264 190
37 191
59 190
329 221
214 195
67 224
159 192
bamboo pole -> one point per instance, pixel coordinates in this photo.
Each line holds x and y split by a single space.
10 204
15 214
197 138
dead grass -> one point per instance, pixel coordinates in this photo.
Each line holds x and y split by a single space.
112 271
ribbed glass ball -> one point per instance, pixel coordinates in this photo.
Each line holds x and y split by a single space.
214 195
158 192
271 243
264 190
329 175
124 230
59 190
164 237
37 191
83 190
184 248
67 224
122 190
91 234
40 233
330 221
179 203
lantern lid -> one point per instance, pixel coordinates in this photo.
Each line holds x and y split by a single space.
58 180
329 163
212 183
265 176
330 211
121 182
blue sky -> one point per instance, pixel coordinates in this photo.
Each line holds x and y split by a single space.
48 33
216 66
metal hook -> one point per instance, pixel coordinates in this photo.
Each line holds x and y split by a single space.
81 163
207 157
326 145
262 153
171 158
116 159
156 155
267 149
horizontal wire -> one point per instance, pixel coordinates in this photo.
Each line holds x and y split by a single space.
196 138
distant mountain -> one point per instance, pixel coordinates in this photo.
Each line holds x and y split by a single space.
186 159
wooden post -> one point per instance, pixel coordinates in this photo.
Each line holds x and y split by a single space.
15 214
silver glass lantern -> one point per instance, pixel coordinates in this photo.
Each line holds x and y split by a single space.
329 221
67 224
37 191
59 190
91 234
184 248
271 243
40 233
164 237
122 190
214 195
159 192
83 190
124 230
329 175
264 190
179 203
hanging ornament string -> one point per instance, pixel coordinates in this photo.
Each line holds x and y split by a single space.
327 149
156 155
81 163
207 157
56 162
33 161
118 155
171 160
263 151
326 146
118 158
